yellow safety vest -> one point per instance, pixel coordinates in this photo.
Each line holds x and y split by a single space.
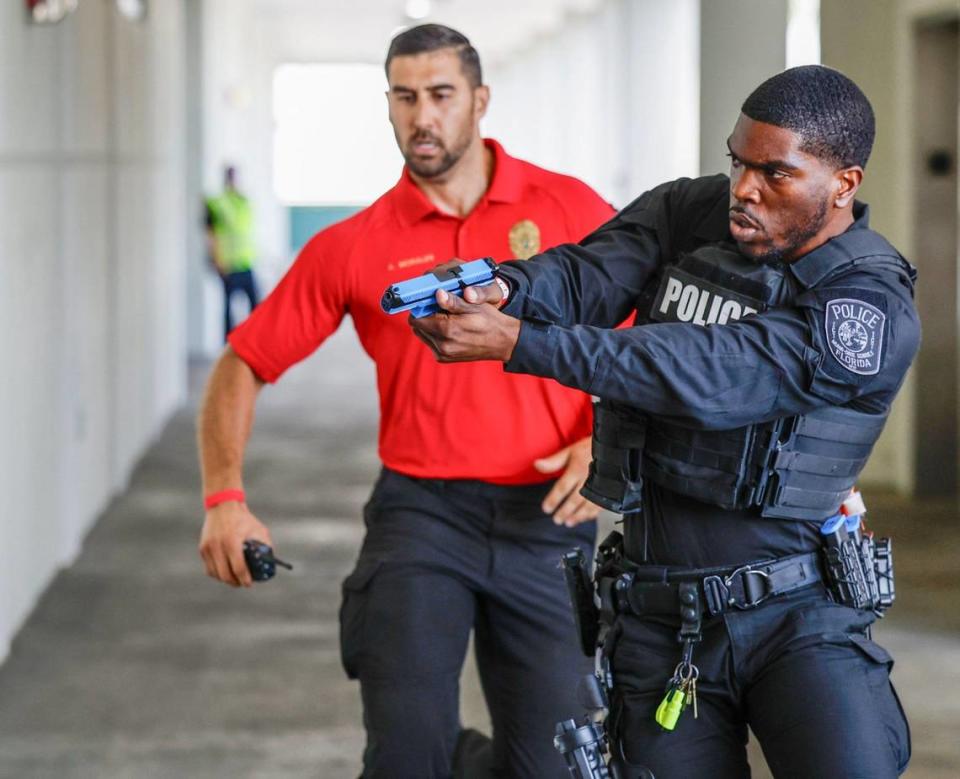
232 225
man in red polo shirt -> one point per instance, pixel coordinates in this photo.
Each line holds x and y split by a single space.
460 536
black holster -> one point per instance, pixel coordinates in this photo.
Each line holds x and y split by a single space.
859 569
580 589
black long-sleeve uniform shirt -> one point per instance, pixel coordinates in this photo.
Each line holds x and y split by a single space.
778 363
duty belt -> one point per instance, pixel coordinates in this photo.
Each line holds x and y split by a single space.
710 591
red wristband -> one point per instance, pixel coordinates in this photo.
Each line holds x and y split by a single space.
216 498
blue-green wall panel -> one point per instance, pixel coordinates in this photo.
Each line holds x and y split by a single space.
306 221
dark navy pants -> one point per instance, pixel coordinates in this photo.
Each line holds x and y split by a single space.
799 670
442 558
241 281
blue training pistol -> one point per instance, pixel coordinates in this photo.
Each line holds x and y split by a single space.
419 295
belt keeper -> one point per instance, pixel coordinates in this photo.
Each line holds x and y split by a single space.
608 592
621 591
690 615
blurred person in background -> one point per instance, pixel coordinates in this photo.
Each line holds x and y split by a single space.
230 244
479 494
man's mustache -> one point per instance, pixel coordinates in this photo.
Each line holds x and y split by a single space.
420 137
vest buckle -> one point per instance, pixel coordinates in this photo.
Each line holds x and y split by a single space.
764 459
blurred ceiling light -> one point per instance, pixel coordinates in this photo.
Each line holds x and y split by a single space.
132 9
417 9
583 6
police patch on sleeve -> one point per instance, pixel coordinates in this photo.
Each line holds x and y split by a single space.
854 332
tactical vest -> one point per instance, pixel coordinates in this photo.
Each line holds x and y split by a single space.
799 468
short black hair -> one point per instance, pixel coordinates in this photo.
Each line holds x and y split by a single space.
432 37
825 108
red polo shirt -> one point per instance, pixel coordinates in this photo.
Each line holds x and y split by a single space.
465 421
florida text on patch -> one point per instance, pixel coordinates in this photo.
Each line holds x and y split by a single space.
854 331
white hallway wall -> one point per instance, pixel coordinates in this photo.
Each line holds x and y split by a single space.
91 273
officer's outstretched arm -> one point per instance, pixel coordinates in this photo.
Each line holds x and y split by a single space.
777 363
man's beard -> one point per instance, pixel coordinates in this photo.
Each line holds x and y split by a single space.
796 236
437 167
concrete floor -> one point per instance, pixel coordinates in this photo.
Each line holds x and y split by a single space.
134 664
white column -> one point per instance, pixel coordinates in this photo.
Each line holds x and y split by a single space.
661 91
611 98
733 63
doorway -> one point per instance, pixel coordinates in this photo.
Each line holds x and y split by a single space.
935 108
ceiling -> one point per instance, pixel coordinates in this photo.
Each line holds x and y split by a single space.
358 30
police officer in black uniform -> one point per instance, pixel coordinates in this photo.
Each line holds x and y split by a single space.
774 329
